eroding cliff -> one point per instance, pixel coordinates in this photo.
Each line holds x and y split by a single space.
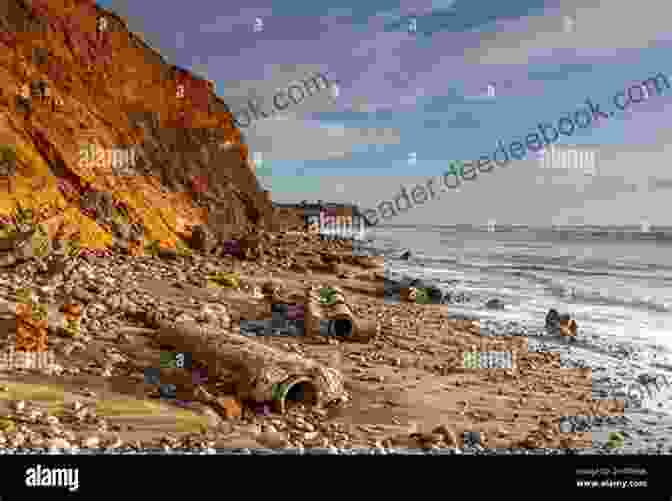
88 107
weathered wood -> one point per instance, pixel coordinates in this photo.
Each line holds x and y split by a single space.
262 373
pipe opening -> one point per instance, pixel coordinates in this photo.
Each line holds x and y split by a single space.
342 327
300 391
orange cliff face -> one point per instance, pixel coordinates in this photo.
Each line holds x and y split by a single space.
114 117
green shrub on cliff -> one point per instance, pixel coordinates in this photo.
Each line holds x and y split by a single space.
182 249
7 226
153 248
24 216
40 241
73 247
8 156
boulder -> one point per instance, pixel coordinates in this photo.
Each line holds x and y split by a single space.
202 239
396 288
169 253
121 230
552 319
252 246
568 328
495 304
19 245
99 203
561 324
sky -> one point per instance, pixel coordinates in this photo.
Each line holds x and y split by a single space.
412 94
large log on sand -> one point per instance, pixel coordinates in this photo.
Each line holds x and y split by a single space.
263 374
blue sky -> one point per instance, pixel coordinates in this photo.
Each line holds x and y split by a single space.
405 93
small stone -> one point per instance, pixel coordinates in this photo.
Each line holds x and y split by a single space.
91 442
304 425
472 438
433 438
114 443
320 412
449 436
273 440
20 405
18 439
230 407
34 415
269 428
58 443
183 317
7 425
494 304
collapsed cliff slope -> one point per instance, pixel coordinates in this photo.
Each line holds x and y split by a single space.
107 88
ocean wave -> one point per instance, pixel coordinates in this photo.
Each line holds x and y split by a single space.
612 273
518 264
553 273
561 289
594 296
569 234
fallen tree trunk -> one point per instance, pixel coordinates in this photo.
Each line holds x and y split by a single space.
263 374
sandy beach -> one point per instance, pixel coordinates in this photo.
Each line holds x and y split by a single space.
407 387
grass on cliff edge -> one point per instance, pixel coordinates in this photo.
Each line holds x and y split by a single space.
53 399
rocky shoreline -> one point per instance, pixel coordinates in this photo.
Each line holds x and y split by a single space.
408 392
614 364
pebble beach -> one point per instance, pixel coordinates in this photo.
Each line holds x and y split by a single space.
408 391
625 355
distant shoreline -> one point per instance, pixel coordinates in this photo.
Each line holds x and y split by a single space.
625 228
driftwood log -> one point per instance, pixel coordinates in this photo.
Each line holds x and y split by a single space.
263 374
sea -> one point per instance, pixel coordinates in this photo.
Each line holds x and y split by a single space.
616 282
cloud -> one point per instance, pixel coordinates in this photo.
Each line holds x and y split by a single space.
542 35
656 183
560 72
463 120
298 140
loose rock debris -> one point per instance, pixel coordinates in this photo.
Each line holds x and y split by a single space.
406 387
